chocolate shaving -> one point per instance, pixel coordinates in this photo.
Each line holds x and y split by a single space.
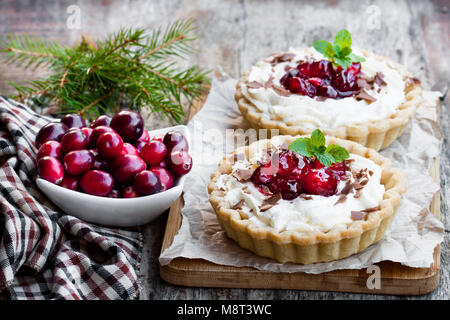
362 214
363 95
341 199
254 85
281 91
282 57
379 79
238 205
370 172
347 188
363 83
412 80
265 189
358 215
270 202
243 174
245 189
305 196
269 83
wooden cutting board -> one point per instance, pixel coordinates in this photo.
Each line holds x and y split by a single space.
395 278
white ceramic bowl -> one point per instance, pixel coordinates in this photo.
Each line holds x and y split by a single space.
119 212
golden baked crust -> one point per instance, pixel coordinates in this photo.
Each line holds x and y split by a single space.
291 246
374 134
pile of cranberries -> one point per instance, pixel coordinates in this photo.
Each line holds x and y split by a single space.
113 157
321 78
294 175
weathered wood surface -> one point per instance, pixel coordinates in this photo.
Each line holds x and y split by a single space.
234 35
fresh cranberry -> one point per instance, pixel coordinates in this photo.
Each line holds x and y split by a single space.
70 182
50 169
100 163
154 152
51 131
97 182
74 121
147 182
179 162
130 125
320 182
78 161
125 167
174 140
164 176
114 194
97 132
88 133
74 139
109 145
50 149
145 136
130 192
139 145
102 120
162 164
128 148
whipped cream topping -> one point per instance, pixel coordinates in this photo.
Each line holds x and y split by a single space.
319 213
311 113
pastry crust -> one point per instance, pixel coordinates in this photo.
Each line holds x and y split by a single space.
306 248
376 134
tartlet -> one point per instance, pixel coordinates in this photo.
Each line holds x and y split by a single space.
305 246
374 119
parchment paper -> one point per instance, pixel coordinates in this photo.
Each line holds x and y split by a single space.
410 240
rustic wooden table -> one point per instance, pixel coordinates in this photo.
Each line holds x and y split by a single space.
234 34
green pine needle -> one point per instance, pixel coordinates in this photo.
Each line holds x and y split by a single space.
130 69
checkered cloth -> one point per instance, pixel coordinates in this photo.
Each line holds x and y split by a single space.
44 253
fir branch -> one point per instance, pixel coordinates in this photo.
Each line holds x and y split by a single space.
129 68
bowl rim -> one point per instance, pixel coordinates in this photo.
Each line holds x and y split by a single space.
179 184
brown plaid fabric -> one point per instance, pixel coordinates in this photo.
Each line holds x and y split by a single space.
44 253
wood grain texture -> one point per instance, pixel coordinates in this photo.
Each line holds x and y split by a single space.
234 35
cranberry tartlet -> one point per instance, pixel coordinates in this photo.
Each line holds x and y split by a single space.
369 100
281 201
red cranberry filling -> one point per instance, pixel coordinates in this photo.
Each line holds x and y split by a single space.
291 174
320 78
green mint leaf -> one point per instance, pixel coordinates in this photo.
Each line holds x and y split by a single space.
337 152
356 58
302 146
343 39
344 62
324 47
326 159
345 52
317 138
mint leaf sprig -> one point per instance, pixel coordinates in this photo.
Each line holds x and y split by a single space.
314 147
340 52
